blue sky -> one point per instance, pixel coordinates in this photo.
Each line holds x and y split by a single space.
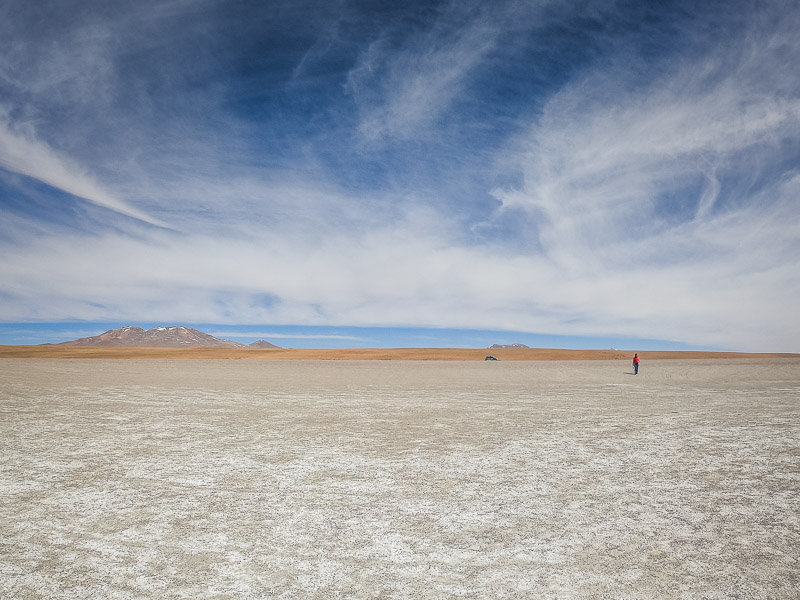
566 172
299 336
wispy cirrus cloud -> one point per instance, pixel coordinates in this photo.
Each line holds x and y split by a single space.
401 96
647 190
22 152
408 83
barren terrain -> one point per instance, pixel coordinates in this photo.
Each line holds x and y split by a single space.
445 354
151 478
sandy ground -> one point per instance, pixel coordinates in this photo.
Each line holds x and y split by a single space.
361 479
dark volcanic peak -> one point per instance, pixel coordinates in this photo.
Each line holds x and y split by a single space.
508 346
157 337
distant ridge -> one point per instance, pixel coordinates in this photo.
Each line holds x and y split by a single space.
262 344
161 337
508 346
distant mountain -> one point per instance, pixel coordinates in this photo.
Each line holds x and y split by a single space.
157 337
262 344
508 346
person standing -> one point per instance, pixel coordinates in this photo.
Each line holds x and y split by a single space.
636 361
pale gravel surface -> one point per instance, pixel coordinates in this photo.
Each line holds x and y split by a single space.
249 479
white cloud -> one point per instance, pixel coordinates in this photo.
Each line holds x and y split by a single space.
22 152
401 94
666 207
409 275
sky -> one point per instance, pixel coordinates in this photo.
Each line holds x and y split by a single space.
381 173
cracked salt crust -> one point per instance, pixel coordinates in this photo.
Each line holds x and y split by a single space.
218 479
